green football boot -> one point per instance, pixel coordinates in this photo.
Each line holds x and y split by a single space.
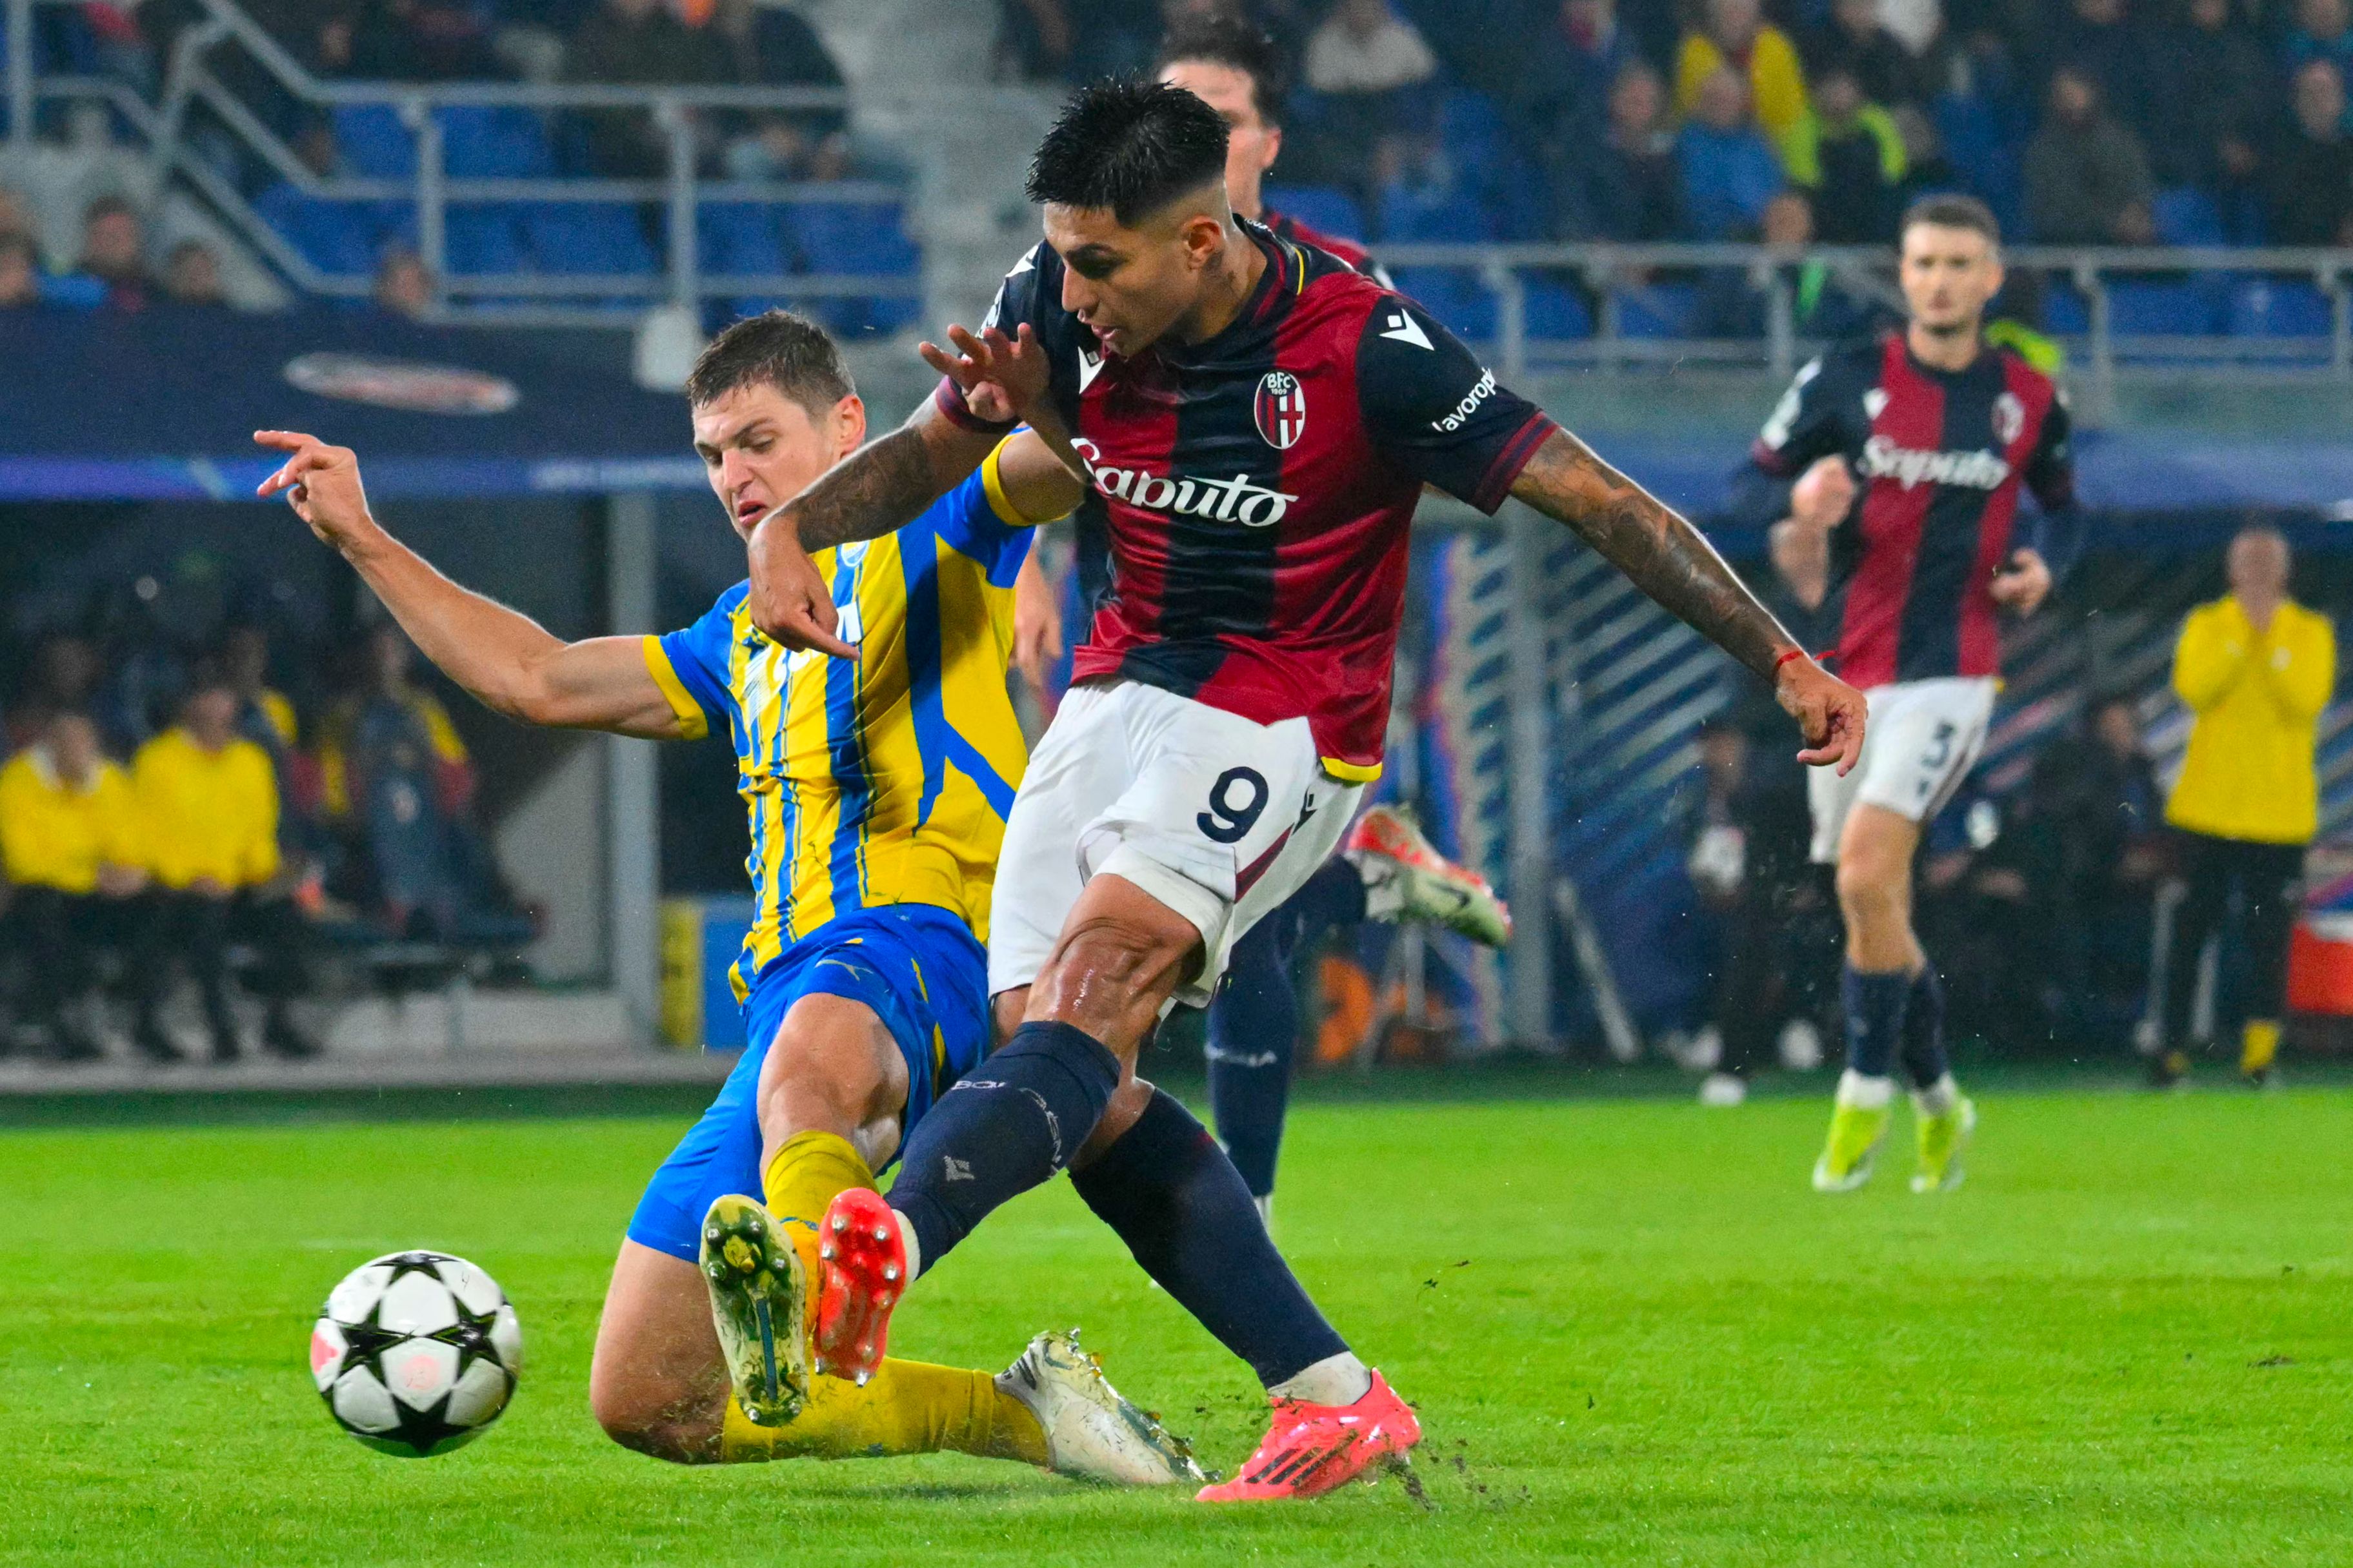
1943 1140
1854 1143
758 1296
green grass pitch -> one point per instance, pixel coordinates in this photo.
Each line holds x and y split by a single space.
1633 1334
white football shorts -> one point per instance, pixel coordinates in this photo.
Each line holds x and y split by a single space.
1920 739
1215 816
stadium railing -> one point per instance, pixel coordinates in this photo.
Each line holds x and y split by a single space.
1625 306
513 297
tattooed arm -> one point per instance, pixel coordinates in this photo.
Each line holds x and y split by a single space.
877 489
1669 559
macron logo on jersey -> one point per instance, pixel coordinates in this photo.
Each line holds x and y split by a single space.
1907 466
1406 330
1223 500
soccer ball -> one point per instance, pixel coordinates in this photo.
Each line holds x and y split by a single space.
416 1353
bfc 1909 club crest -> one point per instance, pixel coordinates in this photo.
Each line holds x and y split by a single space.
1281 409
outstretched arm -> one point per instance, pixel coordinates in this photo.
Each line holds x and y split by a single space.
505 658
1668 559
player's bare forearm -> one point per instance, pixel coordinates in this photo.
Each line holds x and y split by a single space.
1666 556
884 485
506 661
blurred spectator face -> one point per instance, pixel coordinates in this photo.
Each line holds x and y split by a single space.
2100 12
66 670
15 216
245 658
210 715
20 284
2072 98
1837 95
403 287
1788 220
1733 24
2257 566
1856 18
316 147
2319 101
112 245
2210 16
1637 100
830 160
192 276
1724 754
1722 100
2116 728
761 448
388 658
1947 276
1252 144
1588 22
2321 18
73 746
1363 17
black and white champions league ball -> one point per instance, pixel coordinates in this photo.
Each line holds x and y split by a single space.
416 1353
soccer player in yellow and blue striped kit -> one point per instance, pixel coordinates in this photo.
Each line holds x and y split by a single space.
877 790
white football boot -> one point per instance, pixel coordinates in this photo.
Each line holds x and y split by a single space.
1092 1434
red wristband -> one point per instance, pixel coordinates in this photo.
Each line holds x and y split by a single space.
1793 653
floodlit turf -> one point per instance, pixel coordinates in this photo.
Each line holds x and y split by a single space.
1633 1334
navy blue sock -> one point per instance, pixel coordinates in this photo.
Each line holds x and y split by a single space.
1254 1020
1180 1206
1009 1127
1874 1018
1924 1030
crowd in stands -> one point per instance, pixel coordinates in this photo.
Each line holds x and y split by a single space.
2081 121
164 814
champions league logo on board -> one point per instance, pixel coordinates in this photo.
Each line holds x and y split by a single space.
1281 409
404 385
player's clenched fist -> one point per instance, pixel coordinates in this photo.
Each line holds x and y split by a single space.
790 601
1824 494
323 485
1830 713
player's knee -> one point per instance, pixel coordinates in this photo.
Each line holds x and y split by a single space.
1123 954
644 1422
832 1068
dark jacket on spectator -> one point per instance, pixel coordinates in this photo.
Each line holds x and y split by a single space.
1885 68
1629 191
2078 179
2308 188
657 50
2205 87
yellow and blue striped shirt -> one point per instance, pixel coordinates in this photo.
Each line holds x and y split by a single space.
885 780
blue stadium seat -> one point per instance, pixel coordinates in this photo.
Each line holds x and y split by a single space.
339 239
1325 208
587 239
860 239
483 240
2138 309
741 238
1460 301
2066 313
1556 313
375 144
479 141
2274 308
2187 215
1657 310
1411 214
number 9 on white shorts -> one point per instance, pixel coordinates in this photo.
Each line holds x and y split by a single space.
1215 816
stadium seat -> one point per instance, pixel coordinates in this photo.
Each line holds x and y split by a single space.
479 141
483 240
2274 308
2066 313
1657 310
1556 313
1326 208
339 239
740 238
1426 214
858 239
2187 215
587 239
2139 309
1460 301
374 142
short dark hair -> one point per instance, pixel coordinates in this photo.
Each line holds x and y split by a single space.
1130 145
1221 38
108 206
1949 209
778 349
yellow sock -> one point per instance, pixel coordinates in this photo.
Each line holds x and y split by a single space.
907 1406
2258 1044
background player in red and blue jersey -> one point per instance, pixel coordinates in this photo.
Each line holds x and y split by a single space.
1258 420
1900 460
